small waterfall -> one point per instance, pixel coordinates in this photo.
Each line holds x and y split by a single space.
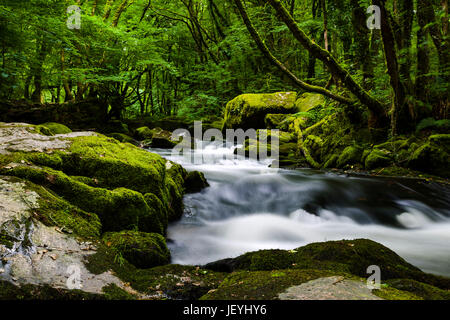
250 206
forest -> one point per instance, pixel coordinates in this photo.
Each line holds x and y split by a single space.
349 97
190 57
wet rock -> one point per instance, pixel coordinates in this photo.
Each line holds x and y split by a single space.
195 182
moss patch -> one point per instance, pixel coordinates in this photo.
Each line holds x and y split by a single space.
261 285
163 282
143 250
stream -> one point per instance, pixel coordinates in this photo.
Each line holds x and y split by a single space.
250 206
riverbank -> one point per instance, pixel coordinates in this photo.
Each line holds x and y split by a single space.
85 201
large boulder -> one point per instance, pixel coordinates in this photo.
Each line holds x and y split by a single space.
249 110
96 174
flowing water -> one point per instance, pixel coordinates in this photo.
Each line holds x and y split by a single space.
250 206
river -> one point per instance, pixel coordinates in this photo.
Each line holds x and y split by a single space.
250 206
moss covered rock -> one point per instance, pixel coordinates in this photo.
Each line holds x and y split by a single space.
433 156
309 101
143 133
118 209
350 156
143 250
249 110
377 159
348 256
195 182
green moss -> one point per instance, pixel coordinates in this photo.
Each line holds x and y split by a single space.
349 256
122 138
331 161
351 155
163 139
423 290
261 285
56 128
388 293
53 210
143 133
309 101
275 121
377 159
314 145
156 205
195 182
9 291
113 292
43 130
143 250
116 164
433 156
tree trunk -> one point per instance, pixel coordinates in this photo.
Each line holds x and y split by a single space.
265 50
400 119
377 109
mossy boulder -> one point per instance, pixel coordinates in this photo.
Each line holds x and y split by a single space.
107 172
118 209
156 138
195 182
433 156
249 110
348 256
350 156
143 133
56 128
143 250
377 159
163 139
309 101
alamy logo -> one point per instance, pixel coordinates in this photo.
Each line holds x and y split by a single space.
74 280
74 19
374 281
374 21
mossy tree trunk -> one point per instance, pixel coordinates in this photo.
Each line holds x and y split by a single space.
377 109
401 118
268 54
